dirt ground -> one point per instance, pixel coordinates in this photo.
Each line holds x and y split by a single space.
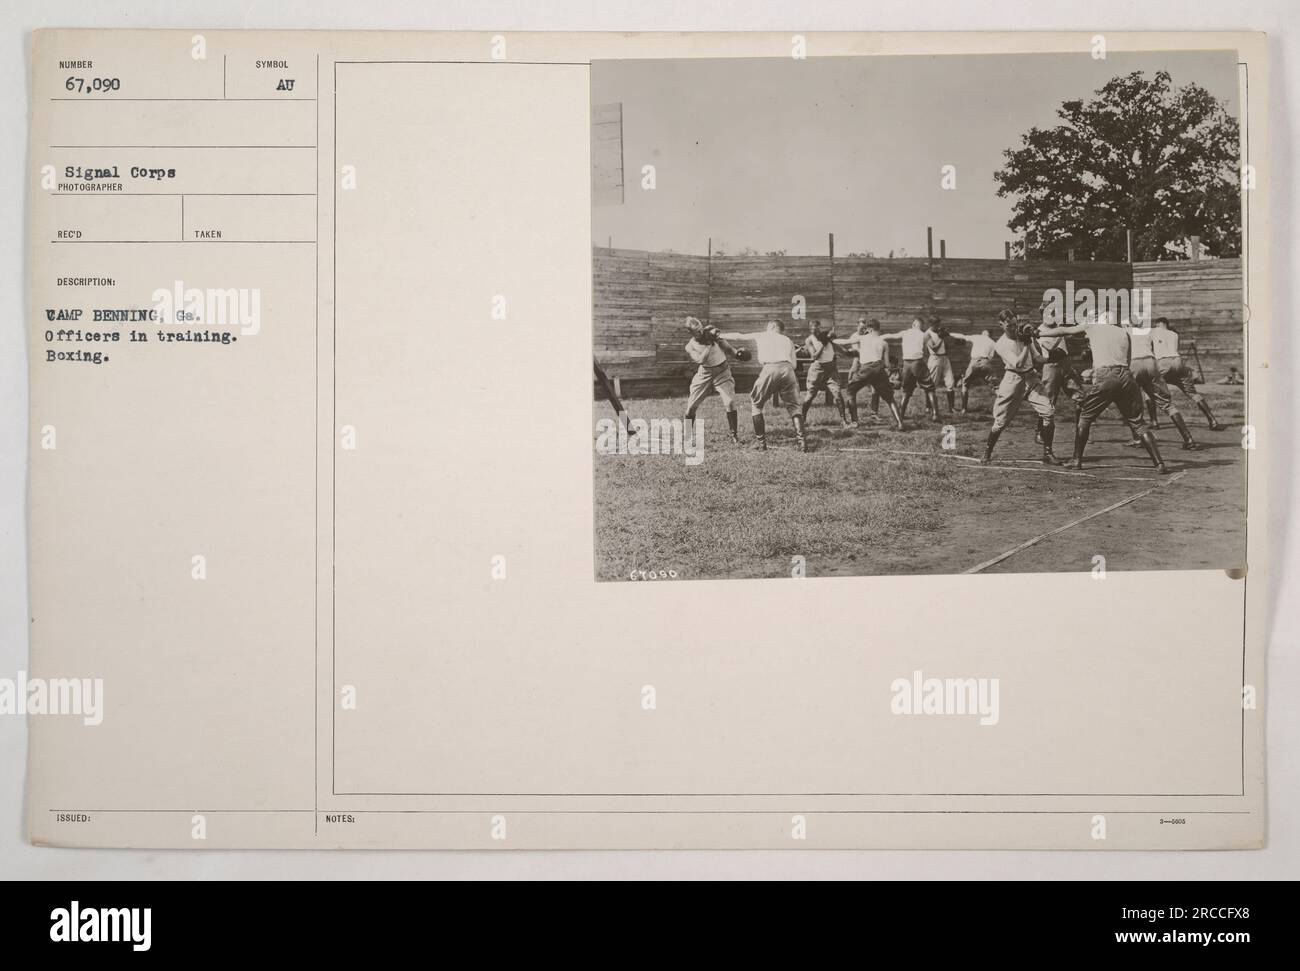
876 501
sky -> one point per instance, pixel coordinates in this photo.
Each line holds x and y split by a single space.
775 153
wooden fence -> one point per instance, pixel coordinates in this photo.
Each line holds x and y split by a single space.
641 299
1203 301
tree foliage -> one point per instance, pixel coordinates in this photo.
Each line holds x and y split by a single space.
1143 155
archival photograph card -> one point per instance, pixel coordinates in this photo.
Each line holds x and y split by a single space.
534 441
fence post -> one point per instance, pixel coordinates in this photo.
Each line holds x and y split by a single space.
830 238
943 249
1128 243
708 285
830 246
1006 249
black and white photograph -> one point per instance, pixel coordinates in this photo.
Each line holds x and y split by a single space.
919 314
322 565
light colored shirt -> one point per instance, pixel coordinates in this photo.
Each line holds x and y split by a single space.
710 355
935 344
774 348
1049 341
872 348
913 344
1110 345
1015 355
1140 344
823 356
981 346
1164 341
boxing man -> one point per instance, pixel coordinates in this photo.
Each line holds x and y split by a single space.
1176 374
709 350
1020 382
936 344
777 381
916 370
1112 384
873 369
980 367
823 373
1058 374
1142 362
854 367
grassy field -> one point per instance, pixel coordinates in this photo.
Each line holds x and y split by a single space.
860 503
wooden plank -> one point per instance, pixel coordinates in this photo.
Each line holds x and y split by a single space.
607 113
641 299
607 154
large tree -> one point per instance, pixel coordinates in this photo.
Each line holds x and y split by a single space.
1142 155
